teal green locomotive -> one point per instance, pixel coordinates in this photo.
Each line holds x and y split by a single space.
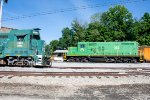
22 47
103 51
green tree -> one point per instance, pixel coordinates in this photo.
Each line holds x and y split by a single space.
118 21
96 17
144 30
66 40
78 32
47 50
96 32
115 24
53 45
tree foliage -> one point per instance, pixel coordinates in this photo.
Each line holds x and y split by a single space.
47 50
78 32
118 21
66 39
144 30
53 45
116 24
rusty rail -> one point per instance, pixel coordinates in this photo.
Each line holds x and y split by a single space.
16 73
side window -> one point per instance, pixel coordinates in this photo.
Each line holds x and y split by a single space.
82 46
36 37
103 48
20 40
100 49
3 36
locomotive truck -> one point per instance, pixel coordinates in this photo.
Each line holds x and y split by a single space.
108 52
22 47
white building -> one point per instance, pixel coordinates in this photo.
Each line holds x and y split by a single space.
58 55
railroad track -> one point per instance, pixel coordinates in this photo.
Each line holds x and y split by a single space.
48 66
125 71
76 78
73 67
25 73
123 68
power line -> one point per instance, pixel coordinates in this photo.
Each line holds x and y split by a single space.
69 9
63 10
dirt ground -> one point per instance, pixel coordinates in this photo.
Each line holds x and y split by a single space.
9 91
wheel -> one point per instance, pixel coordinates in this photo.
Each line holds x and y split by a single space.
119 60
71 59
77 60
50 63
134 60
84 60
125 60
26 63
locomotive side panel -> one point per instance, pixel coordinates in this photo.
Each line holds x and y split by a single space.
107 48
107 51
146 53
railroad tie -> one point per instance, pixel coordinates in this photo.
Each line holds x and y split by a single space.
107 77
82 76
67 76
59 76
1 76
9 77
76 76
115 76
135 76
98 77
90 77
53 76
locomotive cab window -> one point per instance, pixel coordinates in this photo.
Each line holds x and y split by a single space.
82 46
20 40
3 36
36 37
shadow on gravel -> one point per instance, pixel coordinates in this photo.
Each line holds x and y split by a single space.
121 92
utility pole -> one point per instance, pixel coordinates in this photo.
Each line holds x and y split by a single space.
1 10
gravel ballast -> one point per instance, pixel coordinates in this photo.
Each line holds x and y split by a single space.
77 80
92 92
101 67
132 87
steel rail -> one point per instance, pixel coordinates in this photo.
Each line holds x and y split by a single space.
73 67
15 73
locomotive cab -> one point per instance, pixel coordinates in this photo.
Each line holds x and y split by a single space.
38 46
24 47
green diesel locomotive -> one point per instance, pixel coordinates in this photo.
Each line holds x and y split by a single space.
103 51
22 47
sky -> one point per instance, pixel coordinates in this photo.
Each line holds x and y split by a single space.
48 16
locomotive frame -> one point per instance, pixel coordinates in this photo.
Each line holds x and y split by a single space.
125 52
23 48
